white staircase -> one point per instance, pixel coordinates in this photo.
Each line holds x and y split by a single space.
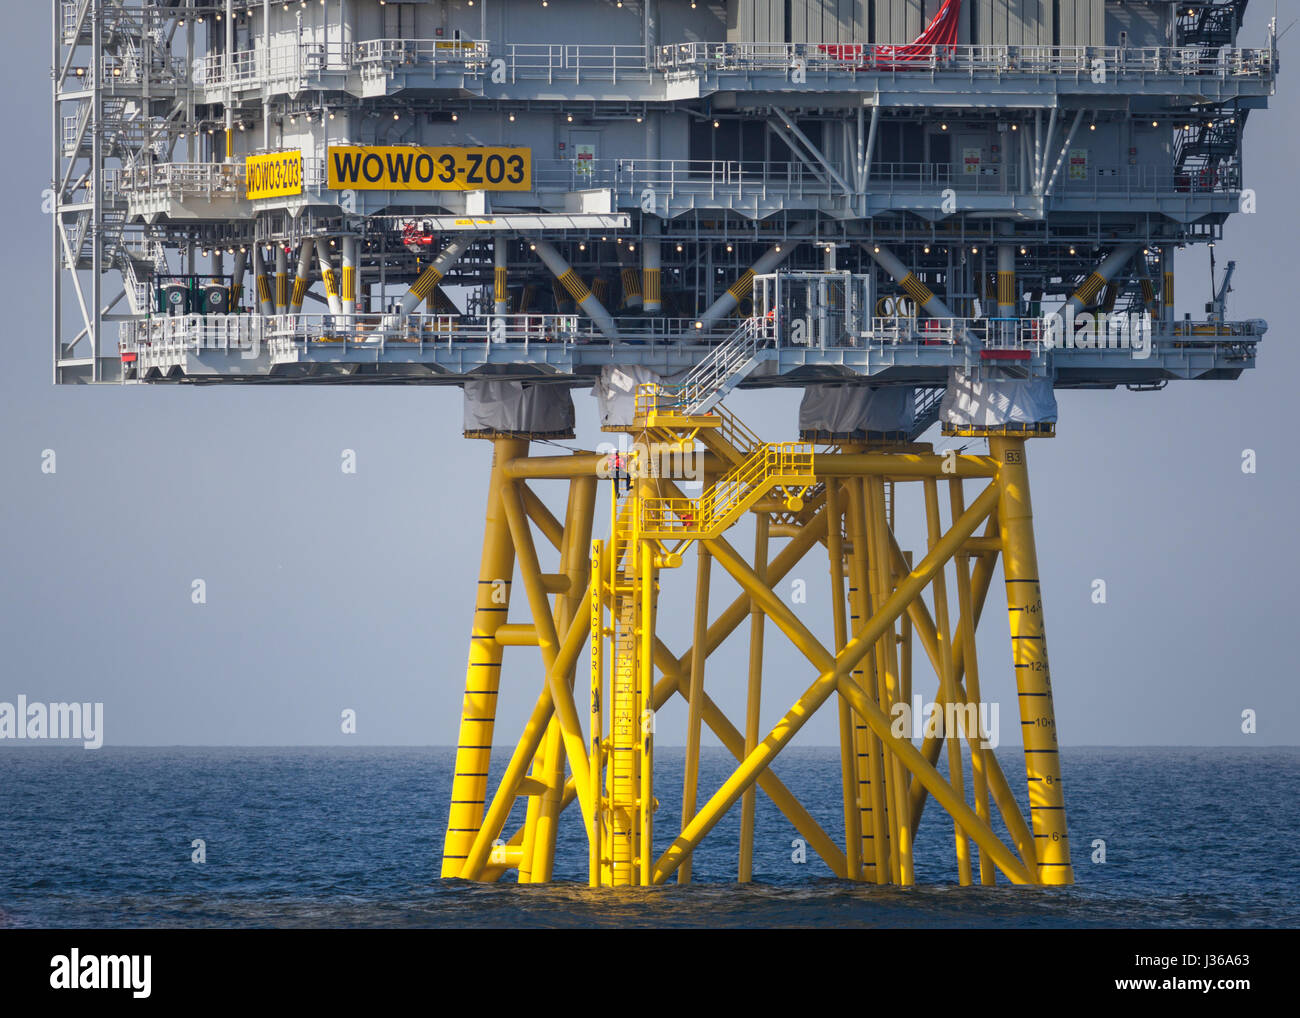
724 368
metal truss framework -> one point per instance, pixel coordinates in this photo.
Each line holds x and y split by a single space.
604 596
120 98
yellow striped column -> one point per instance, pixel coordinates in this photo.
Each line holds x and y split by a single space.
265 298
432 276
576 288
482 679
651 267
349 295
1029 649
500 285
630 277
1167 291
743 287
1007 302
920 294
281 279
561 296
237 279
303 276
330 279
1090 291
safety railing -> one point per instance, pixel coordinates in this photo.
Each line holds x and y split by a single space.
1002 333
283 63
384 56
174 335
703 180
1203 331
302 332
182 180
769 465
696 58
186 180
552 62
714 376
563 62
666 398
646 329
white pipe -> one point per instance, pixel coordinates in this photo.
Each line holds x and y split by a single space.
431 276
230 81
237 278
816 153
303 276
904 277
1167 313
500 279
1087 294
630 278
265 295
330 280
1065 150
584 298
349 295
1006 268
743 286
1047 147
281 279
651 267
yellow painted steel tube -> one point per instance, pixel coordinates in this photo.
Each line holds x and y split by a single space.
596 714
550 528
645 696
905 637
834 670
573 569
524 752
888 643
966 609
786 559
901 465
676 679
482 681
753 703
848 756
548 641
946 679
695 701
940 789
931 747
1033 676
533 808
873 788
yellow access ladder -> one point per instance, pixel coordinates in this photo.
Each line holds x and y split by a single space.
648 532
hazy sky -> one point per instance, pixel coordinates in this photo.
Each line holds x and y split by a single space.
327 591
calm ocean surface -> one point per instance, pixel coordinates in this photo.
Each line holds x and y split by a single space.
352 837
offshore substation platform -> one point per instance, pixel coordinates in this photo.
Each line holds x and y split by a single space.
917 212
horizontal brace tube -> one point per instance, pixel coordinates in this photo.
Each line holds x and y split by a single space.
902 466
517 634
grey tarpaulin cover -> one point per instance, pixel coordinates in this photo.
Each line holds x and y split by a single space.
518 406
857 409
993 402
615 392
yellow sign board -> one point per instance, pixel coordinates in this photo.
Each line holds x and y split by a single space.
406 168
273 175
